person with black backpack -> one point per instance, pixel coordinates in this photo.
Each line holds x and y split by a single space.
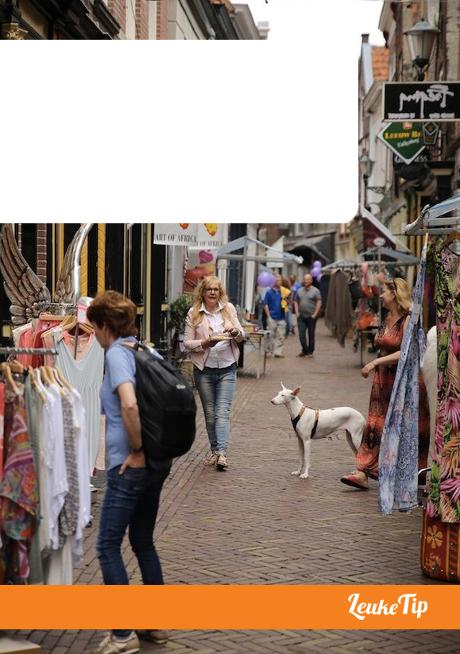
134 478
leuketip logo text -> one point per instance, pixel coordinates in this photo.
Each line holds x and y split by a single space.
406 604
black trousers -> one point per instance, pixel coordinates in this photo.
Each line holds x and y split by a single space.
304 326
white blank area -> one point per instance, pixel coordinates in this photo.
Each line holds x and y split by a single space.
186 131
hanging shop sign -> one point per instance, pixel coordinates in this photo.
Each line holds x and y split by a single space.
419 101
405 140
175 234
211 235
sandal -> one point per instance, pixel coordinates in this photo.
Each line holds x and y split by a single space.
356 479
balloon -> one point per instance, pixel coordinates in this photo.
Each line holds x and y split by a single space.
316 264
265 279
318 276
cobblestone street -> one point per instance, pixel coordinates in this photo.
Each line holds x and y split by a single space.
257 524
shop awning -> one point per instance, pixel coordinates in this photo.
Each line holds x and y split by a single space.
385 232
314 243
225 252
341 263
395 256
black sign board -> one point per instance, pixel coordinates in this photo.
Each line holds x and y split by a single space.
438 101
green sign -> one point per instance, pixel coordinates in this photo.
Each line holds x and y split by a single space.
404 139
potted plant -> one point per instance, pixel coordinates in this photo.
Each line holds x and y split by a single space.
176 323
177 314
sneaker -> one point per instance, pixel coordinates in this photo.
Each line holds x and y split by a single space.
302 354
211 459
222 463
158 636
279 356
112 645
309 355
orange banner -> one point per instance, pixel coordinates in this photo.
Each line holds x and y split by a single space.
240 607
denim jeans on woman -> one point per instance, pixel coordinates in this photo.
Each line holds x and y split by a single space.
131 500
216 387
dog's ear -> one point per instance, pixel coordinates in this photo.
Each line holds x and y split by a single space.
283 386
296 390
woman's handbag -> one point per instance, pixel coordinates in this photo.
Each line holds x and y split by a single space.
439 555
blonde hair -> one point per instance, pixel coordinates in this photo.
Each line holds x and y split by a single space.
199 299
399 287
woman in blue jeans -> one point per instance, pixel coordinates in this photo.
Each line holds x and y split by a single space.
211 335
133 490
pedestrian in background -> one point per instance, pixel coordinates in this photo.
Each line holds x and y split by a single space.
286 303
133 490
307 309
276 320
396 299
212 331
295 285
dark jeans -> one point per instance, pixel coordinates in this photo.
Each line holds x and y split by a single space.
304 325
131 500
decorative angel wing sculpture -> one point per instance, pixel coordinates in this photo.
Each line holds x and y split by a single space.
27 293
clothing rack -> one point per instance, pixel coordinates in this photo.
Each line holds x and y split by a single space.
432 220
28 350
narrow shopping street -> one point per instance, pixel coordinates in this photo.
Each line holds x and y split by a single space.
257 524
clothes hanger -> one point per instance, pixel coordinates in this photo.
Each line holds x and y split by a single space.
33 381
9 378
63 379
46 375
38 380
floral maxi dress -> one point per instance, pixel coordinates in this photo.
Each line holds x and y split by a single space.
389 340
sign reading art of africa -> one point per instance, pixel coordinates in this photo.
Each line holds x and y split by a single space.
202 235
415 101
406 140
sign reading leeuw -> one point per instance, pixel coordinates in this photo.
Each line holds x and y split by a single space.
404 139
415 101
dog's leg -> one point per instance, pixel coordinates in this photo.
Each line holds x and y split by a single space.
351 441
301 456
306 459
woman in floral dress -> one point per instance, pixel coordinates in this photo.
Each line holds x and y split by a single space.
396 299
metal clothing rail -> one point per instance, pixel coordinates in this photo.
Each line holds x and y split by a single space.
28 350
432 220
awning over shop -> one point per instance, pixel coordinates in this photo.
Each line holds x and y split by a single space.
225 252
391 256
384 231
341 263
319 245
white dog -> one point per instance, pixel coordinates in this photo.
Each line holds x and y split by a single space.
314 423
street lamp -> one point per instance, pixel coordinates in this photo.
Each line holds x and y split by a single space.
421 38
365 168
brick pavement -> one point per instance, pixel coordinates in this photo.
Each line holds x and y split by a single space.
256 524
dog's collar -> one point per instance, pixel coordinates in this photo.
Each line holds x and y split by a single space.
297 418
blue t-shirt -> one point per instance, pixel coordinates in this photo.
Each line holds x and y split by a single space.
120 367
273 301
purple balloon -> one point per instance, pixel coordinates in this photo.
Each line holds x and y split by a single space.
316 264
266 279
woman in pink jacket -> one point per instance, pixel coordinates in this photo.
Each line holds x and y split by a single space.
211 335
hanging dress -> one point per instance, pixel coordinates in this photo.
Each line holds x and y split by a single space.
444 489
388 340
398 459
86 376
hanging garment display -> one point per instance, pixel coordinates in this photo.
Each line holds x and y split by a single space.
339 312
399 459
44 492
444 490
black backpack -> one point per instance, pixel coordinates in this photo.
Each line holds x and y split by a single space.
167 407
